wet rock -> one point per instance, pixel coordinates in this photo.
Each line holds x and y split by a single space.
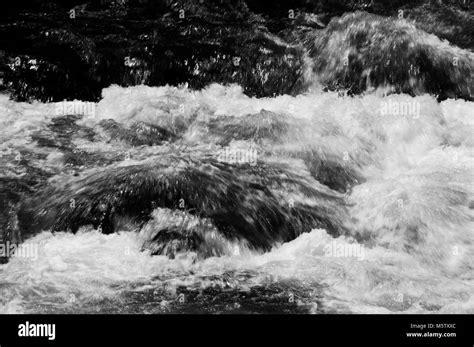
264 125
261 205
361 51
172 232
11 191
146 43
47 55
138 134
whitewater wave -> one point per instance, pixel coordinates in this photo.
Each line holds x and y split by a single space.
95 273
385 179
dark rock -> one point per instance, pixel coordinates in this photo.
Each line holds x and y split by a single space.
243 202
139 134
49 56
361 51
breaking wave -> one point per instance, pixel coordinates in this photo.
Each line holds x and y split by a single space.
213 201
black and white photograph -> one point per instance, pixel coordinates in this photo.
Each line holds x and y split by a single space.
237 157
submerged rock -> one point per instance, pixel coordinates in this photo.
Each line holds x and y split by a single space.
171 232
261 205
362 51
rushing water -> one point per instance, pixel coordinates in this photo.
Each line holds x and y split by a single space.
406 246
169 200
